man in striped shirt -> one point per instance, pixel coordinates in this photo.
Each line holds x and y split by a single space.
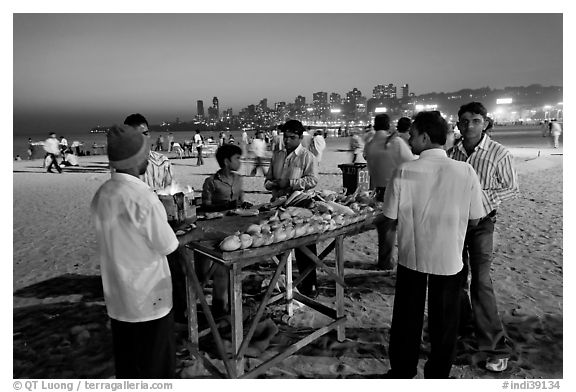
493 164
295 168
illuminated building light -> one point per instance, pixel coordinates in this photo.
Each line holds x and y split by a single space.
380 110
503 101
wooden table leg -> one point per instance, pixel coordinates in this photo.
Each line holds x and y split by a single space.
289 288
236 317
339 288
191 298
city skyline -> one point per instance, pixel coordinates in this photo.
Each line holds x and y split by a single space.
74 70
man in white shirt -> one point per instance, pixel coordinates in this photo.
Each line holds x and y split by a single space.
199 142
318 145
52 148
259 151
134 239
434 199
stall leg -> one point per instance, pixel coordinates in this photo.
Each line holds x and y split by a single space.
339 288
191 299
236 317
289 288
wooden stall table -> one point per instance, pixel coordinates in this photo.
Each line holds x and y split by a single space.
206 238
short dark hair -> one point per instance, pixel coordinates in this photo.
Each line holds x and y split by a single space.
135 120
433 124
404 124
382 122
293 126
227 151
473 107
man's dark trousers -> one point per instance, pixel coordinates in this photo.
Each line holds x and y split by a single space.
146 349
408 319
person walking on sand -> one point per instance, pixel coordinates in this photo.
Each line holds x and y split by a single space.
295 168
555 131
258 147
159 172
30 148
199 143
434 199
494 166
52 148
403 128
134 238
385 152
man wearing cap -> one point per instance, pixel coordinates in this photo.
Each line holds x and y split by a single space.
159 173
134 239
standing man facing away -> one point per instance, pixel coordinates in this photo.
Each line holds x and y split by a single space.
384 153
159 173
318 145
494 166
52 148
199 142
134 239
294 168
434 199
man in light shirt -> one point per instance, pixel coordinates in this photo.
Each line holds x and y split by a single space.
52 148
318 145
134 239
434 199
259 150
295 168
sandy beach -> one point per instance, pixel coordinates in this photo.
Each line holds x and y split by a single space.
61 329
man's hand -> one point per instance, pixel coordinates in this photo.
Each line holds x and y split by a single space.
283 183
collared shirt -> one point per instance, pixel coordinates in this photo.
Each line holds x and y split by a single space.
300 167
159 173
134 238
198 140
383 155
52 145
494 166
433 198
220 191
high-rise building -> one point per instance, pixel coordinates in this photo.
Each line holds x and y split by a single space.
405 91
279 106
390 91
320 98
215 112
352 96
200 108
335 99
378 91
300 101
263 104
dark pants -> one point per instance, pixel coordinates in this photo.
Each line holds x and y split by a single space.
258 164
53 162
386 237
200 160
479 302
408 319
303 262
146 349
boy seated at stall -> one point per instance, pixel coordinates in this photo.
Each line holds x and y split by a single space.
221 191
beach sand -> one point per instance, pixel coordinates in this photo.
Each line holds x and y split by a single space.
61 329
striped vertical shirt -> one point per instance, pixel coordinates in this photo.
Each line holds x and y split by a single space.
300 167
494 165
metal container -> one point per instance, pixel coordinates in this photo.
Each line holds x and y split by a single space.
179 207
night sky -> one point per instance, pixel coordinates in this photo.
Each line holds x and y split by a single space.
75 71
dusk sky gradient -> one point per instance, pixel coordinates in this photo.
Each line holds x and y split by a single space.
75 71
